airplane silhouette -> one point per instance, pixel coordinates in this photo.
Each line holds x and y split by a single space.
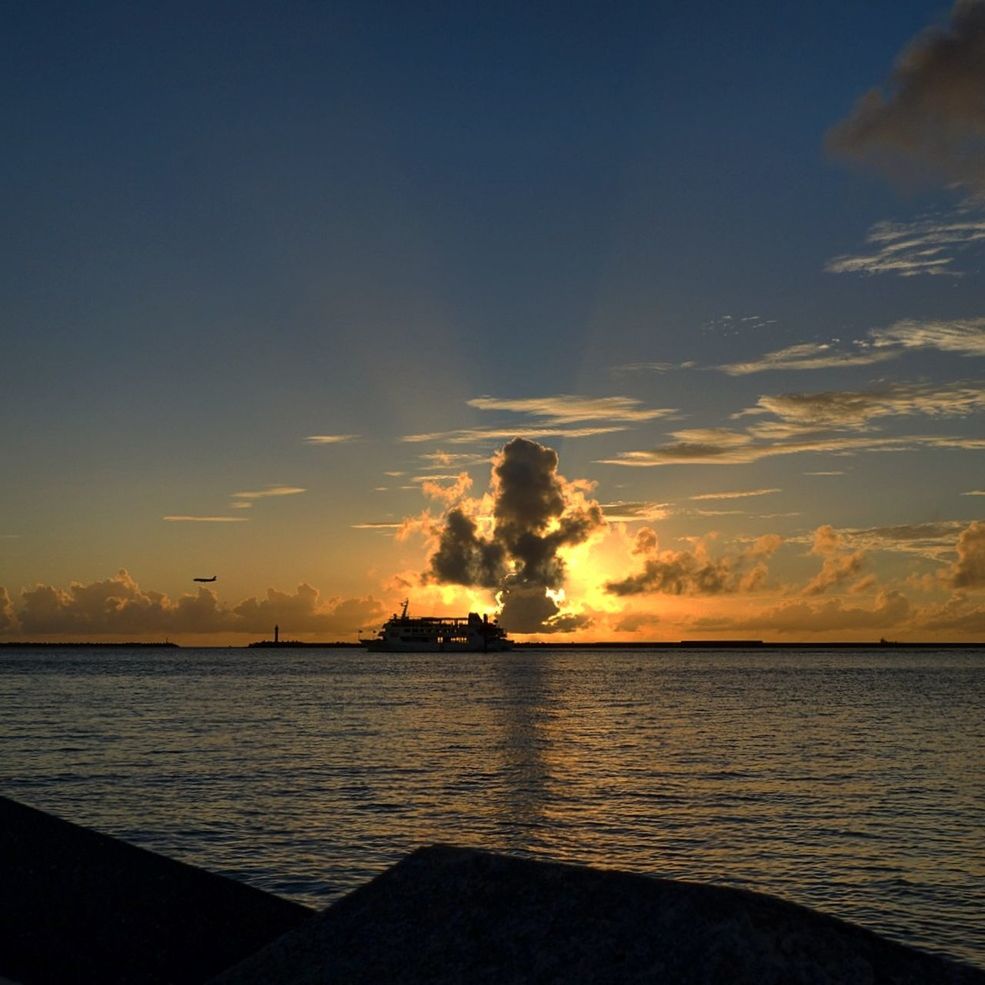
213 578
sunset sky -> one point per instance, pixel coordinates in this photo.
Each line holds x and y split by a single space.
283 283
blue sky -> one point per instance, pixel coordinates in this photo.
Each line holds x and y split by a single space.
229 227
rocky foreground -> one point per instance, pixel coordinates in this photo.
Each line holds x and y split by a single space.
76 906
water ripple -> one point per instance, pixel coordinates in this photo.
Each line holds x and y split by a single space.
851 782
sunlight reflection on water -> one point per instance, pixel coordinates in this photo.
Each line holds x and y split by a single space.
851 782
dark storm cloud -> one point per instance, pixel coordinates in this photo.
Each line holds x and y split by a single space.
465 558
930 117
530 498
535 513
527 608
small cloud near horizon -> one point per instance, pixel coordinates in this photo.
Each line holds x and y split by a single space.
329 439
623 512
118 605
205 519
742 494
268 492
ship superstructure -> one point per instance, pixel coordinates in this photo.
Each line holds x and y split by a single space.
471 634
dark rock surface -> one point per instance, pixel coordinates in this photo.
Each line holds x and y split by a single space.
448 915
77 906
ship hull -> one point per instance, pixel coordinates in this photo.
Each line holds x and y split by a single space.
439 634
391 646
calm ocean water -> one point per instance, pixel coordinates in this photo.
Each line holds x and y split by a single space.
851 782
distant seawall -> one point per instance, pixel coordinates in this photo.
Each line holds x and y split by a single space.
554 645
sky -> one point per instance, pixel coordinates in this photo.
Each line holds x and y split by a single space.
647 321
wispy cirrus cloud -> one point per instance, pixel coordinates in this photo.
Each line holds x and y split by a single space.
847 408
269 491
645 367
810 355
629 512
718 446
184 518
244 500
557 416
740 494
964 337
570 409
802 423
726 325
464 436
329 439
453 459
927 246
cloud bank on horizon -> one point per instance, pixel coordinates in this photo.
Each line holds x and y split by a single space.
118 606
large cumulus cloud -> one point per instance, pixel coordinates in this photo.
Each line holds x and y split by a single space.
535 513
466 558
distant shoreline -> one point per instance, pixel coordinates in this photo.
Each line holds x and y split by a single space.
610 645
104 646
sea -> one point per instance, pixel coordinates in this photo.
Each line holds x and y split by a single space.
849 781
